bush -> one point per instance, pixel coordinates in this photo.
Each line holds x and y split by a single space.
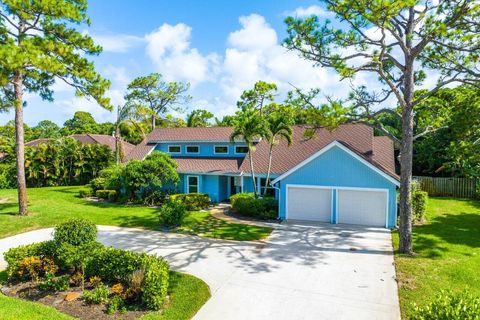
85 193
78 257
33 267
247 204
155 198
192 201
50 283
172 213
15 256
107 194
116 304
419 202
115 265
75 232
450 306
99 295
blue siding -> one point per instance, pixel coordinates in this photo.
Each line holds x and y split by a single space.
210 185
223 190
338 168
207 149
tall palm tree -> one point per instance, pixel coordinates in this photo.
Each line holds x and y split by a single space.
248 125
127 114
278 126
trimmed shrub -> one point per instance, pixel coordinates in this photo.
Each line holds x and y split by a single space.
192 201
107 194
419 204
172 213
246 204
75 232
50 283
115 265
15 256
449 306
85 193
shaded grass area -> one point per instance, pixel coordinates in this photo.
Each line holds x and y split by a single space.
447 253
51 206
204 224
187 295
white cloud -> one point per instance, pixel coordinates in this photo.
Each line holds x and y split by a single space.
119 43
255 34
303 12
169 49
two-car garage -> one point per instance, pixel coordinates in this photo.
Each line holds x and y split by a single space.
361 206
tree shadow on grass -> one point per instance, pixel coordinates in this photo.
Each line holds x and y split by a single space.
432 239
9 208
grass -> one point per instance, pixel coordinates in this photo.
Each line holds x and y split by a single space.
187 295
447 253
204 224
50 206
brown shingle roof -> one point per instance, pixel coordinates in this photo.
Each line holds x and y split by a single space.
357 137
36 142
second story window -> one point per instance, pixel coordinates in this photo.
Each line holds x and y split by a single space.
193 149
241 149
221 149
174 149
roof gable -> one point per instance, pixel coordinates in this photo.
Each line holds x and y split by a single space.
346 149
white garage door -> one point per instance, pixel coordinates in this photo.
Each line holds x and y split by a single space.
312 204
362 207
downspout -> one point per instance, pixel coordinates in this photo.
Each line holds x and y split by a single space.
279 195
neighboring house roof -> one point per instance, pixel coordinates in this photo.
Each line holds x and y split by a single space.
87 138
357 137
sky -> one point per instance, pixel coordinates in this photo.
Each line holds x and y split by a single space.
220 47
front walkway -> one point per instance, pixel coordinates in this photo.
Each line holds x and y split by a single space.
315 272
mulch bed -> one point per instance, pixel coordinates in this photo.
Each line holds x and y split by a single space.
76 308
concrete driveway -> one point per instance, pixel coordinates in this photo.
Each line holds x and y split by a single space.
299 272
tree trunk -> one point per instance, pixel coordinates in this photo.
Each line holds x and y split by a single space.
154 120
20 144
251 170
406 155
117 144
269 168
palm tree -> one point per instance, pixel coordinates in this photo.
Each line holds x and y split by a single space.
278 125
128 113
249 126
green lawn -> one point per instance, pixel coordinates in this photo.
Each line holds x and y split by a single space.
50 206
187 295
447 251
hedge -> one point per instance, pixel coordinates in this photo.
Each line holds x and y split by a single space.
107 194
247 204
193 201
75 232
14 256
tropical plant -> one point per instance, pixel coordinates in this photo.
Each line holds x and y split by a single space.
397 42
39 46
199 118
153 97
126 114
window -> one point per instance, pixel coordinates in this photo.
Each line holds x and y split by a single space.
241 149
174 149
192 184
270 190
193 149
221 149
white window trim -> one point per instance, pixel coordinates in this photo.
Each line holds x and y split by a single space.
221 145
192 145
174 145
241 147
198 183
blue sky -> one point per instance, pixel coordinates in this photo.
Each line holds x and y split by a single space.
220 47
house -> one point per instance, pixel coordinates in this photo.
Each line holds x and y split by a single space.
88 138
344 176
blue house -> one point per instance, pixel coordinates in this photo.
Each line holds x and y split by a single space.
345 176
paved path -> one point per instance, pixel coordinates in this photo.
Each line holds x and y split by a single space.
299 272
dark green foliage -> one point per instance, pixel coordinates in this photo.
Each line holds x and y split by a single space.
193 201
107 194
7 176
113 265
155 284
15 256
65 162
447 305
50 283
155 198
172 213
419 204
140 181
116 304
99 295
75 232
247 204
